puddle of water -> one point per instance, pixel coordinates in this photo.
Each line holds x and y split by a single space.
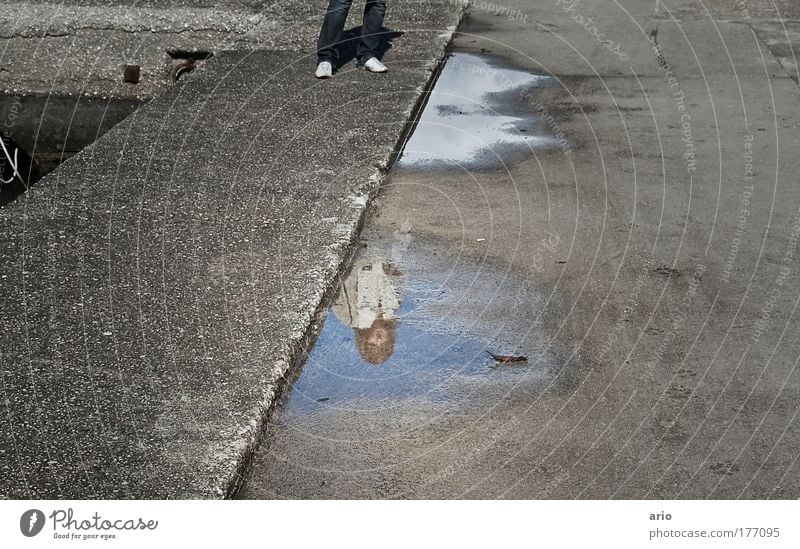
421 351
408 332
399 383
399 380
479 114
40 132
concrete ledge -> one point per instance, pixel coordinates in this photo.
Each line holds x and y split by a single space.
158 286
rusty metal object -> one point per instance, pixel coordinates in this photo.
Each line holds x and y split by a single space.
131 74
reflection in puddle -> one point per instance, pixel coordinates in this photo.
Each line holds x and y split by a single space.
399 381
479 113
367 302
393 337
413 362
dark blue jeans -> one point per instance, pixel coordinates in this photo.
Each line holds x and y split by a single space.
331 34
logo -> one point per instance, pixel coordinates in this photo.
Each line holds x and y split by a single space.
31 522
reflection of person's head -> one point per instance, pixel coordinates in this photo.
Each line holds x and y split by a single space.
376 343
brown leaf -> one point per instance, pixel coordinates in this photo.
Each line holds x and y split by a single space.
507 358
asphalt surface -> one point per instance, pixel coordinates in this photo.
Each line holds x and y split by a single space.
647 270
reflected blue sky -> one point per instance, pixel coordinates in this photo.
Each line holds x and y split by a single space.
433 357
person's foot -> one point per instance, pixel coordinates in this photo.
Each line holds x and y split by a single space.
324 70
374 65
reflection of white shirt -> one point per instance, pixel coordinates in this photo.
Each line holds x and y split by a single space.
365 291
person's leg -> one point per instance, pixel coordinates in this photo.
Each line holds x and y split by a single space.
331 33
374 12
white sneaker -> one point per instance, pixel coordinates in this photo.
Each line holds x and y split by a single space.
324 70
374 65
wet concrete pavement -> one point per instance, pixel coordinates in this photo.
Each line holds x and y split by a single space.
423 410
660 328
